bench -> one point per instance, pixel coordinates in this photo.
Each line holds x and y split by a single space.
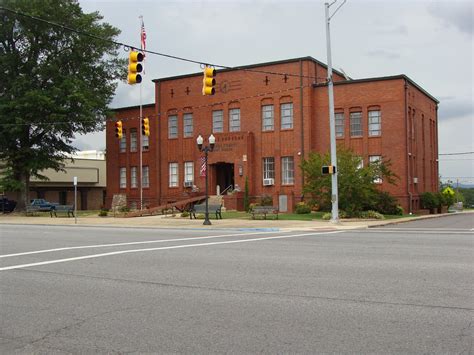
69 209
264 211
32 210
201 208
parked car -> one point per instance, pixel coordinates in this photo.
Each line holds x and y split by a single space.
43 204
6 205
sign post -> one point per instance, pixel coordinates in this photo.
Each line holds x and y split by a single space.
75 199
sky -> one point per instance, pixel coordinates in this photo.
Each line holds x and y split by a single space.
429 41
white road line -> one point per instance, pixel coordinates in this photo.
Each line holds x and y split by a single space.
153 249
413 231
129 243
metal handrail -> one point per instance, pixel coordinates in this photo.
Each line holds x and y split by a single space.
227 188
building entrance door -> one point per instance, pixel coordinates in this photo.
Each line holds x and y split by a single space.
224 176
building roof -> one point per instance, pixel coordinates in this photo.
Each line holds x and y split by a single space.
251 66
394 77
131 107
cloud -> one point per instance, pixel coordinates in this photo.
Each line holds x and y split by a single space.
383 53
451 108
454 13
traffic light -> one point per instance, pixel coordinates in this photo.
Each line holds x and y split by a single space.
330 169
118 129
145 126
208 82
135 67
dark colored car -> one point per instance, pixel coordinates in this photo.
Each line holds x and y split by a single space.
6 205
43 204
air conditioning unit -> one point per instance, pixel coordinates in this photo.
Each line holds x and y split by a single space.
188 184
268 182
415 180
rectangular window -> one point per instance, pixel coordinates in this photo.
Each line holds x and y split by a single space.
339 124
123 178
123 142
188 125
375 123
217 121
133 140
269 168
189 171
287 171
267 118
356 124
145 176
145 143
286 116
234 120
133 177
374 159
173 126
173 175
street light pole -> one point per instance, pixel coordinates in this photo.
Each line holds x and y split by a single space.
206 150
332 119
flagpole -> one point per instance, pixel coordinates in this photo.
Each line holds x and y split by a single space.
140 128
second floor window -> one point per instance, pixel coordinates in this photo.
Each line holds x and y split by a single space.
339 124
234 120
145 176
287 171
267 118
173 126
133 140
286 116
173 175
217 121
123 178
356 124
123 142
269 168
188 171
188 125
375 123
133 177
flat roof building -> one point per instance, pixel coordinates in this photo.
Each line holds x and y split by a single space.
266 118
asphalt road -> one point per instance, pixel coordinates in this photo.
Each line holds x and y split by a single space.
401 289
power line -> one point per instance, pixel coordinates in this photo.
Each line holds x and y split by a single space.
128 47
461 153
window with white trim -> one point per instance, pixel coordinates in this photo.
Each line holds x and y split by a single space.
268 120
145 143
188 125
339 116
287 171
189 171
123 142
234 120
172 126
133 177
374 159
217 121
145 176
173 175
133 140
123 177
286 115
375 123
269 168
356 124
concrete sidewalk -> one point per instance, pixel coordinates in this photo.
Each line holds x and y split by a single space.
186 223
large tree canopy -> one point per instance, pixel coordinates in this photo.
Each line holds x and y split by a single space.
54 83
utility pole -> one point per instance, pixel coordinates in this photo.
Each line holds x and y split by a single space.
332 120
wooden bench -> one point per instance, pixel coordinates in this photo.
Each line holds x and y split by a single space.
264 211
69 209
33 210
201 208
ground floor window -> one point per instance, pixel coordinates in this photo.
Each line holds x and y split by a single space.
123 178
173 175
287 171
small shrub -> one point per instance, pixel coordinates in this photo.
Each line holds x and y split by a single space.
342 214
266 200
124 209
372 214
399 211
429 201
384 203
185 214
302 208
327 216
252 205
103 212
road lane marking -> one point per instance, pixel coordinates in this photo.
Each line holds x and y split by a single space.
160 248
129 243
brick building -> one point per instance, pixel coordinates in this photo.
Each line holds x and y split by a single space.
266 118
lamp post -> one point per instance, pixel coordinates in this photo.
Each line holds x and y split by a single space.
206 150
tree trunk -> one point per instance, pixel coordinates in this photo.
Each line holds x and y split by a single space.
24 193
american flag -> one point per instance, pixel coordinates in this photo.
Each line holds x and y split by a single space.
202 166
143 37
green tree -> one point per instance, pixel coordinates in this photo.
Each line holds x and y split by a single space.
246 195
54 83
356 188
